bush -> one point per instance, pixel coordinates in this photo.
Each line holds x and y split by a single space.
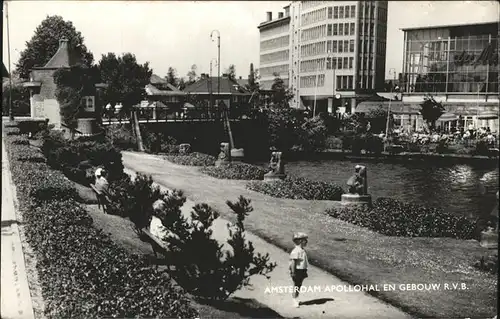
235 171
333 143
394 218
121 137
12 131
20 140
298 188
312 134
134 199
83 274
202 267
193 159
33 126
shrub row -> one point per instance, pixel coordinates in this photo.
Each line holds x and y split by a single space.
298 188
83 274
192 159
235 171
395 218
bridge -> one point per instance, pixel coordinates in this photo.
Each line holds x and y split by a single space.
155 114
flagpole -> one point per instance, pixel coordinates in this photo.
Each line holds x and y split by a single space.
11 117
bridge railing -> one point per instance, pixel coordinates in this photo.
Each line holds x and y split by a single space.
162 114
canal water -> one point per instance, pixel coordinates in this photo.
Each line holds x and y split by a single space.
461 189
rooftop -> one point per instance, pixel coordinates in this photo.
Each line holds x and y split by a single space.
268 23
227 86
65 56
448 26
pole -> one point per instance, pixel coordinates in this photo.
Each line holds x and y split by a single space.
389 113
316 89
11 116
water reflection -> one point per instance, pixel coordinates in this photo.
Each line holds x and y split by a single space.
461 189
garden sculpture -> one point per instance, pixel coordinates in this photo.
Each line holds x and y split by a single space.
277 167
223 157
358 181
184 149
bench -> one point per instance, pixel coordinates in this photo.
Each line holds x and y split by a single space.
102 199
157 244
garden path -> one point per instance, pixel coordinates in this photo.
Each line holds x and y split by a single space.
322 303
15 295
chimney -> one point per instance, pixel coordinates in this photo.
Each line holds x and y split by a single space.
280 15
269 16
63 43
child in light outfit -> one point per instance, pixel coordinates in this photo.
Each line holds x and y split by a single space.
298 265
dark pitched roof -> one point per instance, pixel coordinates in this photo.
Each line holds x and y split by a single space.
227 86
155 79
153 90
65 56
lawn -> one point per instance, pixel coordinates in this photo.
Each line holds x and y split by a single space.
354 254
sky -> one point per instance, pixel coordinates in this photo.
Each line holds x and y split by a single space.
177 33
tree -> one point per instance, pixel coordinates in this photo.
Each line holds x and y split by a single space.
172 76
20 98
431 111
313 134
281 95
231 72
45 42
253 85
72 85
182 84
192 75
126 79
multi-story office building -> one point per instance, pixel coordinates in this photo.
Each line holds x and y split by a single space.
458 66
330 53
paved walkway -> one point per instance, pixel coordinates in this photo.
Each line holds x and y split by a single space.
15 294
321 303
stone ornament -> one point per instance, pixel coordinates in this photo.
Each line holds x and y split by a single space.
184 149
224 156
357 183
276 166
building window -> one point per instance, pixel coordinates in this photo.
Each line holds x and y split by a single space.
338 82
346 28
351 45
351 62
347 12
341 12
346 62
341 47
341 28
334 29
334 46
335 12
339 63
353 28
328 46
330 12
349 82
88 103
353 11
329 33
346 45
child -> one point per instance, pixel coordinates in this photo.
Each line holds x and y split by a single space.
298 265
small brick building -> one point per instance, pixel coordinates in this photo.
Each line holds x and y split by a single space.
43 100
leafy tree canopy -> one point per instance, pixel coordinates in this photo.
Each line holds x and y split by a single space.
126 79
431 111
172 76
231 72
281 94
45 42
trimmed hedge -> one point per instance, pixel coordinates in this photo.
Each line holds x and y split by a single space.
298 188
192 159
395 218
235 171
83 274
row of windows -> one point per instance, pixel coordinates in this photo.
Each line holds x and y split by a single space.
365 46
271 70
312 65
366 28
366 10
367 65
365 82
314 16
340 46
275 43
275 30
313 49
274 57
313 33
310 81
341 29
460 44
340 63
382 14
342 12
344 82
311 4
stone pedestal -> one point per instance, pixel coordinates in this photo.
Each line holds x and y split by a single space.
489 239
356 199
237 154
272 176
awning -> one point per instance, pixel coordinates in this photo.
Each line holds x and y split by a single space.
447 117
488 116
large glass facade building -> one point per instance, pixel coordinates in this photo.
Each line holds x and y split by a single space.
451 59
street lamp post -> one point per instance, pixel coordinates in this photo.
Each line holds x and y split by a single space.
332 65
211 89
316 88
218 59
11 116
391 71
